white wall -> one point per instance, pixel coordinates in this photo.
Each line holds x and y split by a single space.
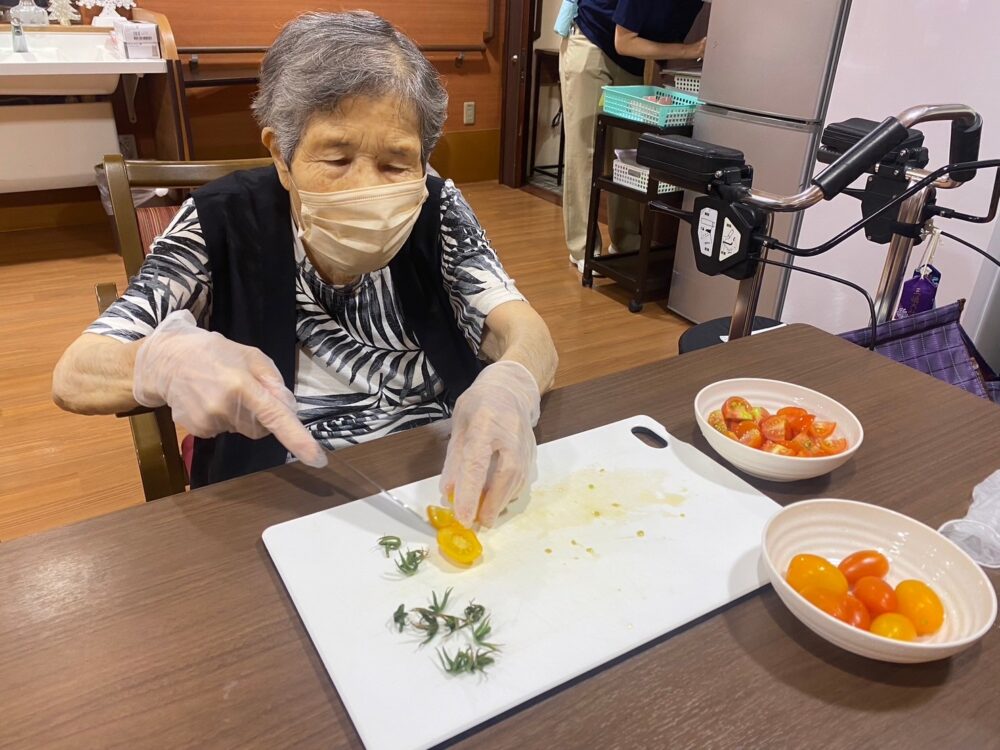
898 53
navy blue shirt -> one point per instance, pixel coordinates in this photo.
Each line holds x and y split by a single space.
656 20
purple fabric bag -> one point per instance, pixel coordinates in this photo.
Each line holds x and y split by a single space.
934 343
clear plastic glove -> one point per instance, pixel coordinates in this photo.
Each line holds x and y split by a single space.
979 532
215 385
492 448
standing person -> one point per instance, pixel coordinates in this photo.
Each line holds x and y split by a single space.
589 59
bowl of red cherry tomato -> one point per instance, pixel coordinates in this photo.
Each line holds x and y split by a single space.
876 582
776 430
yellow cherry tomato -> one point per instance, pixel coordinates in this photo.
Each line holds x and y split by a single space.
440 517
918 602
894 625
459 544
813 571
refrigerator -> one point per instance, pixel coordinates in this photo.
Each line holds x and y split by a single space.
766 81
897 53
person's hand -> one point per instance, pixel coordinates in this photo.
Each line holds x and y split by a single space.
695 50
215 385
492 447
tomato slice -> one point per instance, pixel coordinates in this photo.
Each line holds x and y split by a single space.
752 437
742 428
775 429
920 605
717 421
440 517
804 445
894 625
759 414
778 448
822 429
833 446
876 595
459 544
866 562
737 408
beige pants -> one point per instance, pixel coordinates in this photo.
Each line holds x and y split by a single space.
583 71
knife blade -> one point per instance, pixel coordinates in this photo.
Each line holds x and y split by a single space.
381 491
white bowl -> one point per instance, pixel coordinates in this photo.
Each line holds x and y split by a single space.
772 395
835 528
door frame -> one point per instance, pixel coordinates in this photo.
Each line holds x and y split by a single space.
521 19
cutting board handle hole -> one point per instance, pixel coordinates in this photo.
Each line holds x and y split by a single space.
650 438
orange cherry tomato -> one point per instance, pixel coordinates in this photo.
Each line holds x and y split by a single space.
856 613
752 437
798 418
920 605
440 517
813 571
822 429
832 603
775 429
804 445
832 446
867 562
459 544
737 408
894 625
742 428
777 448
876 595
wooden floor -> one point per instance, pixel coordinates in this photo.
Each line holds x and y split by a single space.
56 468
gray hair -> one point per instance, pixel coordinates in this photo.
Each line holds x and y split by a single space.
321 59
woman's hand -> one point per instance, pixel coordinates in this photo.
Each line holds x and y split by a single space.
695 50
492 446
215 385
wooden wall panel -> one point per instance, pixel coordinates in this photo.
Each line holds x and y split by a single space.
256 22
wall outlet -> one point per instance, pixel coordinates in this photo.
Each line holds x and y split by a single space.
128 147
469 113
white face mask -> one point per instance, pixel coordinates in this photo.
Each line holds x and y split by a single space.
359 231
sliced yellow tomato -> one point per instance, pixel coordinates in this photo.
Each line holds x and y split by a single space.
440 517
459 544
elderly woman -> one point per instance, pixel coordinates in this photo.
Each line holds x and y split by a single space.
338 296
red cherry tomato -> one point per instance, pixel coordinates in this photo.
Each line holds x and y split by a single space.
752 438
822 429
737 408
742 428
759 414
856 613
832 446
804 445
876 595
867 562
777 448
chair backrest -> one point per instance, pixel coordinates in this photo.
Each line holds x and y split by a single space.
123 176
153 433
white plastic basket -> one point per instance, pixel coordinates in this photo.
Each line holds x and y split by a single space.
689 83
636 177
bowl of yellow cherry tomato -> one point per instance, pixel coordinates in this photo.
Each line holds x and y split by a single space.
776 430
876 582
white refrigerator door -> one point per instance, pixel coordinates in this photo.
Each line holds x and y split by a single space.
773 57
781 154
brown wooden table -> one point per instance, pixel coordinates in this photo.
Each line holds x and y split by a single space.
167 626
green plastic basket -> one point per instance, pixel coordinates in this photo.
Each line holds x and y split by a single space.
629 103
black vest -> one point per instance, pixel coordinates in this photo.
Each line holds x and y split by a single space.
246 221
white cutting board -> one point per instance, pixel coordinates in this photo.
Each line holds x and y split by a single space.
616 543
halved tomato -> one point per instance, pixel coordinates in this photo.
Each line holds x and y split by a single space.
775 429
805 445
742 428
717 421
821 429
459 544
752 437
759 414
778 448
737 408
833 446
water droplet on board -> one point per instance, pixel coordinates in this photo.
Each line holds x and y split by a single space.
640 533
548 550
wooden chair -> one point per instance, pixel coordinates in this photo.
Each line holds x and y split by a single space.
156 450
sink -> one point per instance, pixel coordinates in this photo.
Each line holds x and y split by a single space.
66 64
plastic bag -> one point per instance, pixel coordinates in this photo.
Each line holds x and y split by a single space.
567 14
979 532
